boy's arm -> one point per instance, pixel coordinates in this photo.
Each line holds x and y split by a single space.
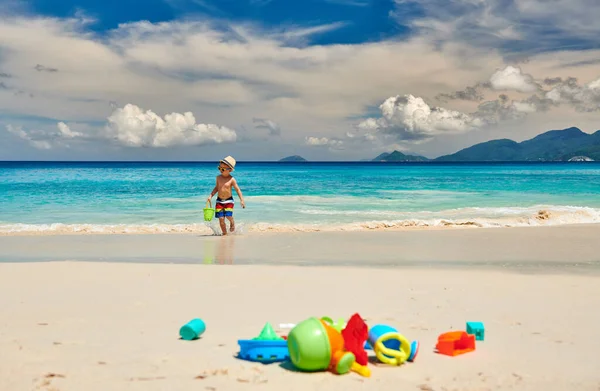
212 193
237 189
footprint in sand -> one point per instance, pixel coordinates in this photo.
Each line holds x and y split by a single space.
46 381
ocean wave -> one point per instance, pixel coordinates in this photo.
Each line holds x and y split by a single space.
455 218
60 228
470 212
378 196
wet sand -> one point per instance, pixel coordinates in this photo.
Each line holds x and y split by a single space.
565 248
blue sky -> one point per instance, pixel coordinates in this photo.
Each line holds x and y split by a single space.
327 79
363 20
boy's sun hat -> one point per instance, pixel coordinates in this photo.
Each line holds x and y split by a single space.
229 161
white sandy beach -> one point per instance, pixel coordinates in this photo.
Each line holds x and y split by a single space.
70 325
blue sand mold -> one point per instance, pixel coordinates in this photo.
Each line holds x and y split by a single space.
263 351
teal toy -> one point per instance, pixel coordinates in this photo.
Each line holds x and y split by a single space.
192 329
477 329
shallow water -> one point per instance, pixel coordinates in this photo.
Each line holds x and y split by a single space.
169 197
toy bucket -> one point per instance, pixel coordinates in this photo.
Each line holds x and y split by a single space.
390 346
209 211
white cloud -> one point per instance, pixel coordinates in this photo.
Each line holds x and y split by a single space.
582 97
230 74
133 127
29 137
66 132
271 126
333 144
317 141
512 79
41 139
524 107
410 118
514 27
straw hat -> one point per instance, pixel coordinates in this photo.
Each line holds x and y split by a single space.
229 161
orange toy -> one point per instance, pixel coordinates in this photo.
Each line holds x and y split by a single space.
454 343
340 355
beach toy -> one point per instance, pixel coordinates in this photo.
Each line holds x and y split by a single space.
192 329
339 325
314 345
267 334
355 335
389 345
477 329
414 350
209 211
454 343
267 348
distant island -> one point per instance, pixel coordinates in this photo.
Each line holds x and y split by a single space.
571 144
294 158
398 156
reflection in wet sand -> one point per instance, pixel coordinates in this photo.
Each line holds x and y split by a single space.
219 251
225 249
209 252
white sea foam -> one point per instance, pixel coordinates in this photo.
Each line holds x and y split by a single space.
463 217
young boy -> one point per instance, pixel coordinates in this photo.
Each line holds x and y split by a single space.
224 205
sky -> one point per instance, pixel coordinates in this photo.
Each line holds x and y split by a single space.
263 79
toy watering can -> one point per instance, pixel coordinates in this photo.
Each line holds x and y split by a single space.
390 346
209 211
314 345
339 325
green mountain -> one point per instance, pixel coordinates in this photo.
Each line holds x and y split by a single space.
554 145
397 156
294 158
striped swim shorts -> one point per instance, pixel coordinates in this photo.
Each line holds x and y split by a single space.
224 208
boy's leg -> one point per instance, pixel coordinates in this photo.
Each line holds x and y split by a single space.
231 223
228 209
223 226
220 213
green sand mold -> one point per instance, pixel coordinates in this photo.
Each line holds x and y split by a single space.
268 334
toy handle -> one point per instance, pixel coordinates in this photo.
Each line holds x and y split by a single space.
208 204
339 325
391 356
362 370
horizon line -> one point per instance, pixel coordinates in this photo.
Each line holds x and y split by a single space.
432 161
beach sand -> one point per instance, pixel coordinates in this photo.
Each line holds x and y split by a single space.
69 325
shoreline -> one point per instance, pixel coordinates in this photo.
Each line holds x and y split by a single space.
542 219
198 229
533 249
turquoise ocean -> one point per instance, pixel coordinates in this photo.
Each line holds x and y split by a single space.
67 197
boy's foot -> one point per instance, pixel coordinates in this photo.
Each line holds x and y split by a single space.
231 227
